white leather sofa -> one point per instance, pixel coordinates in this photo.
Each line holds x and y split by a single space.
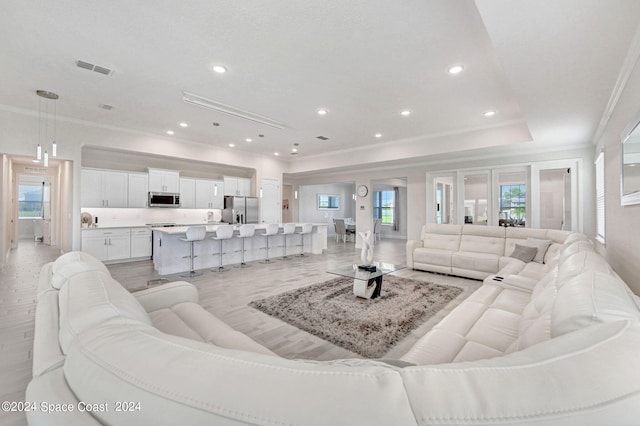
475 251
562 352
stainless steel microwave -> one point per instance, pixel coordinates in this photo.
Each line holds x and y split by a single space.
164 199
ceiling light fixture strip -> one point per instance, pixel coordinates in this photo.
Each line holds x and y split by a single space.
190 98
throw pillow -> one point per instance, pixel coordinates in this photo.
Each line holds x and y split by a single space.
524 253
541 245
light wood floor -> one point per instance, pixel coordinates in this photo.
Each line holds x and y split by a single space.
224 294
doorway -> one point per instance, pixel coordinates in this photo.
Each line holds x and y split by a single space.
34 208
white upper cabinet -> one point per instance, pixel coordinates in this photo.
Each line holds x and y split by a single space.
209 194
103 188
138 190
237 186
161 180
187 193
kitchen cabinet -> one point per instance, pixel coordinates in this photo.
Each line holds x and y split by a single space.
138 190
209 194
187 193
107 244
103 188
161 180
140 242
237 186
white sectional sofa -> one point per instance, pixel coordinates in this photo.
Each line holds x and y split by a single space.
561 349
475 251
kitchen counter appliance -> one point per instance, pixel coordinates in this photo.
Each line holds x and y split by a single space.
239 210
164 199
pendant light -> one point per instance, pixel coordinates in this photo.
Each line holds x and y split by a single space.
54 146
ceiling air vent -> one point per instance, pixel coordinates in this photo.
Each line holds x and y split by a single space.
91 67
322 138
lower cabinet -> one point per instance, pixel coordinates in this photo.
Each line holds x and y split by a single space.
107 244
140 242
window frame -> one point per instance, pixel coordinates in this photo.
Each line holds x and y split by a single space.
378 208
40 212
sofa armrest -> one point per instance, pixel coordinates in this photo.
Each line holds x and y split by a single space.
411 246
167 295
515 282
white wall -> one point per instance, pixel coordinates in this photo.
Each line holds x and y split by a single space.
308 204
622 246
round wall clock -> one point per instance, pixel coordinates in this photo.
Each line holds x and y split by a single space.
363 191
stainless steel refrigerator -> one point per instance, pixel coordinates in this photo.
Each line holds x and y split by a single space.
238 210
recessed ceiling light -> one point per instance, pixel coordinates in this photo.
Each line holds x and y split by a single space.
322 111
489 113
405 112
232 145
276 153
378 135
183 124
455 69
219 69
170 132
294 149
249 140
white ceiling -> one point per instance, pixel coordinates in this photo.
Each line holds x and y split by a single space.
547 66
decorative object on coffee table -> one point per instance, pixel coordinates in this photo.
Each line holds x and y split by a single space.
369 328
366 255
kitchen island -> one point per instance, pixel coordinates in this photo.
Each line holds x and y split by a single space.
169 250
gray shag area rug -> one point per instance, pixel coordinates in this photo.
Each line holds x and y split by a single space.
370 328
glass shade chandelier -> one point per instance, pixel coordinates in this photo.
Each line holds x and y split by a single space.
40 156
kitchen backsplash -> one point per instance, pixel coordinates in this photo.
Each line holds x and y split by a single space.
139 217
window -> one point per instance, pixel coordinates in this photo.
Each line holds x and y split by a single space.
29 200
513 201
328 202
384 205
600 198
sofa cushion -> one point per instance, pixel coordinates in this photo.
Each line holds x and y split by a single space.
72 263
516 235
482 326
589 298
443 237
183 381
483 239
192 321
579 262
482 262
541 246
524 253
91 298
433 256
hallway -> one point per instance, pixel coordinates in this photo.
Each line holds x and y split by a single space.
18 282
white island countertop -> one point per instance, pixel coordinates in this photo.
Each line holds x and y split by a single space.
169 250
212 227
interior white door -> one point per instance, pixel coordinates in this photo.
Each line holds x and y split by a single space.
270 203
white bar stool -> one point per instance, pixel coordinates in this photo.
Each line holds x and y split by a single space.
272 229
246 231
193 234
306 230
223 232
287 229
